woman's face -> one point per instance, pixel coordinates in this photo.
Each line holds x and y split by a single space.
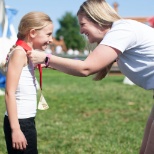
93 31
42 37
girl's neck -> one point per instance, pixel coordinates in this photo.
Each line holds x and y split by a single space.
29 43
24 44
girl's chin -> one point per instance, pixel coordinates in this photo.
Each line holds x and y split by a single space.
41 50
44 47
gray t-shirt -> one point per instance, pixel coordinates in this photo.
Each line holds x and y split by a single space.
136 43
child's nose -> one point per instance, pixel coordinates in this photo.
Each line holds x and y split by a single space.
51 40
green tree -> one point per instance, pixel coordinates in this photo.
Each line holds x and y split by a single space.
69 29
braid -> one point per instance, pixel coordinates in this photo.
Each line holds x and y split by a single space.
20 36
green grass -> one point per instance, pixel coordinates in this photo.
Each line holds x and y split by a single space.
89 117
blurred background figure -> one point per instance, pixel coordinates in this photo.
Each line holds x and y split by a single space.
48 50
151 21
76 52
86 52
2 83
58 49
70 51
7 37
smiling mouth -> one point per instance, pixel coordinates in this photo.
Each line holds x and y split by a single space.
45 44
86 35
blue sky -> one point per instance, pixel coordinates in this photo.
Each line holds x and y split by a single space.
57 8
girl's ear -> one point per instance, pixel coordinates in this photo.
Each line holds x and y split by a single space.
32 33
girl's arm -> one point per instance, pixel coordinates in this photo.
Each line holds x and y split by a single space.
101 57
17 61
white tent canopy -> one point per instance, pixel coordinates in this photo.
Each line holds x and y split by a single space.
7 36
6 41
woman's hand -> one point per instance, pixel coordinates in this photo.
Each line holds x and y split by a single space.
36 57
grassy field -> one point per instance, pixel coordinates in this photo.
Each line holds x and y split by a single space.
89 117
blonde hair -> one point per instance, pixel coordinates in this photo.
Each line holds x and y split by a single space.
101 13
32 20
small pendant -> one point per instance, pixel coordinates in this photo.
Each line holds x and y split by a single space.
42 105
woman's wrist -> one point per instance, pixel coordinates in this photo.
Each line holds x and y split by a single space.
47 60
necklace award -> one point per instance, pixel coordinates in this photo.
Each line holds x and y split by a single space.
42 105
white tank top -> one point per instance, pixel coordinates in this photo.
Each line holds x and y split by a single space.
26 93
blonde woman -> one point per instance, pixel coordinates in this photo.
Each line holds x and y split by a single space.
34 32
128 42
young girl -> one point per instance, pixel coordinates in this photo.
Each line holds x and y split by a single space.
34 32
129 42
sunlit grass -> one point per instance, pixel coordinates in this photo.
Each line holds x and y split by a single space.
89 117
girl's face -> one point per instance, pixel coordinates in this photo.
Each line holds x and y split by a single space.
41 38
93 31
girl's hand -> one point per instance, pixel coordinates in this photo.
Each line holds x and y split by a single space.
19 141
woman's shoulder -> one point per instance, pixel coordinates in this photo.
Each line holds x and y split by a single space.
124 21
127 23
